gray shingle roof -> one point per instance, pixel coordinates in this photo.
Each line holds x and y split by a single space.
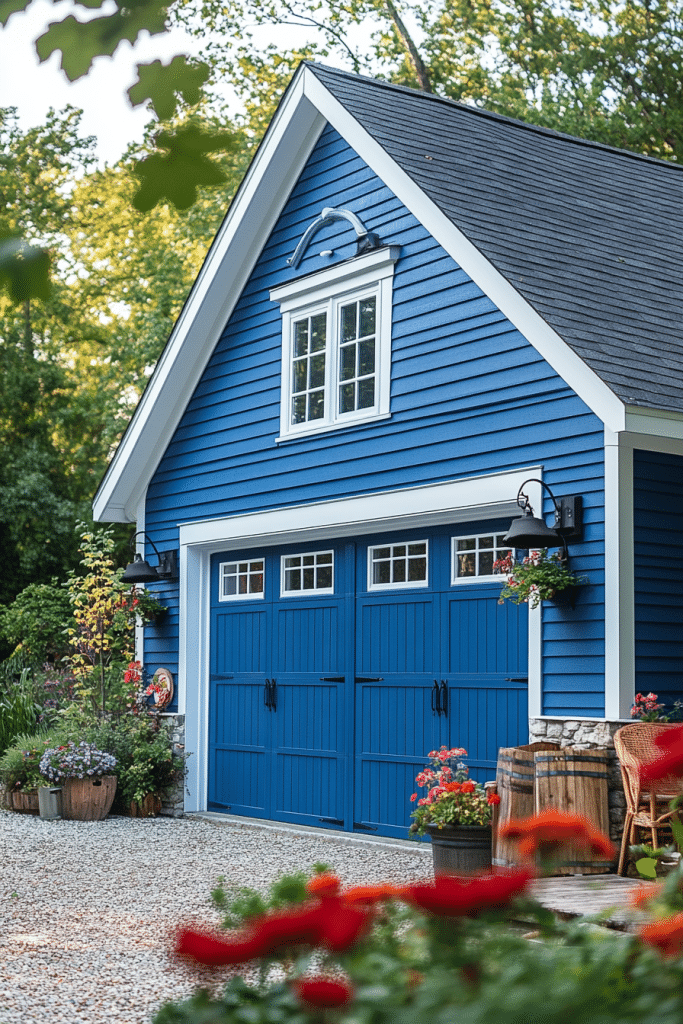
591 236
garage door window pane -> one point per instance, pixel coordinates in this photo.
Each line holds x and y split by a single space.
240 580
472 558
397 565
309 573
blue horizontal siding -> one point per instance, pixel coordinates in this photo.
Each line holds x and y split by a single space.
658 563
469 395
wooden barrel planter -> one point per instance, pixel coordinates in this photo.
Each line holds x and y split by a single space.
515 785
148 807
576 781
460 849
25 801
88 799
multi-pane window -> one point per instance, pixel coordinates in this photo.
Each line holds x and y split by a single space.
336 345
308 368
313 571
357 355
398 565
240 580
474 556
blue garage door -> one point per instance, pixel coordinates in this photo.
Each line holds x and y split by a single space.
336 668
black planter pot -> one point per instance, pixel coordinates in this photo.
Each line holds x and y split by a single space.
460 849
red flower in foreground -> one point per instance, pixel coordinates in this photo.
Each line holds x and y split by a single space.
207 948
370 893
328 922
323 885
448 896
323 993
493 799
666 935
547 832
670 762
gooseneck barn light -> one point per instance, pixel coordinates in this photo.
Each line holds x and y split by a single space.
531 532
140 571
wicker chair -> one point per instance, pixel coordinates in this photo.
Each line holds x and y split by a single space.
635 746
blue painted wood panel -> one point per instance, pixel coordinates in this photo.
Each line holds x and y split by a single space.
469 395
658 552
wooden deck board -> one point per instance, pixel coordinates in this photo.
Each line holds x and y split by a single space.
577 895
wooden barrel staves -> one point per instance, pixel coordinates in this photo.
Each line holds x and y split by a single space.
575 781
516 788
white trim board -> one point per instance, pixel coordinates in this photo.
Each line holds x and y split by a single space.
290 139
480 497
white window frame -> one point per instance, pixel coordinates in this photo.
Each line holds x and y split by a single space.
497 553
316 591
403 584
241 597
326 291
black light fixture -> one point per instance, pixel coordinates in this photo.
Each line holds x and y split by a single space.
140 571
530 532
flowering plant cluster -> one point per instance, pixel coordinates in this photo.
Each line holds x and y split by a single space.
538 577
443 950
647 709
75 761
452 798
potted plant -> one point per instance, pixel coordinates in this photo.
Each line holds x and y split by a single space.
20 772
538 577
455 813
85 774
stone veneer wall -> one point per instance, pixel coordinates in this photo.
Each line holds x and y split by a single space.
173 805
589 734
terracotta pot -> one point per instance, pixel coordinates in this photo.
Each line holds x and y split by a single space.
460 849
148 807
88 799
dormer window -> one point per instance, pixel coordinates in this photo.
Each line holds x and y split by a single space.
336 345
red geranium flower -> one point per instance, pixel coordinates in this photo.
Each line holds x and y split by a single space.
666 935
448 896
546 832
207 948
323 993
493 798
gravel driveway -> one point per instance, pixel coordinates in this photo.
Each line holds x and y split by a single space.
86 908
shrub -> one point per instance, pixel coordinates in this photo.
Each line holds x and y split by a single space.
146 760
36 622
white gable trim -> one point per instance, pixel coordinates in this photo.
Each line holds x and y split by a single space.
280 159
293 133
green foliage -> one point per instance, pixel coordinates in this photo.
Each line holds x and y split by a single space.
24 269
81 42
145 756
19 709
238 904
36 622
177 173
160 83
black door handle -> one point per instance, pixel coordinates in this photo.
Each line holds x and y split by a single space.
444 697
273 695
266 694
436 699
